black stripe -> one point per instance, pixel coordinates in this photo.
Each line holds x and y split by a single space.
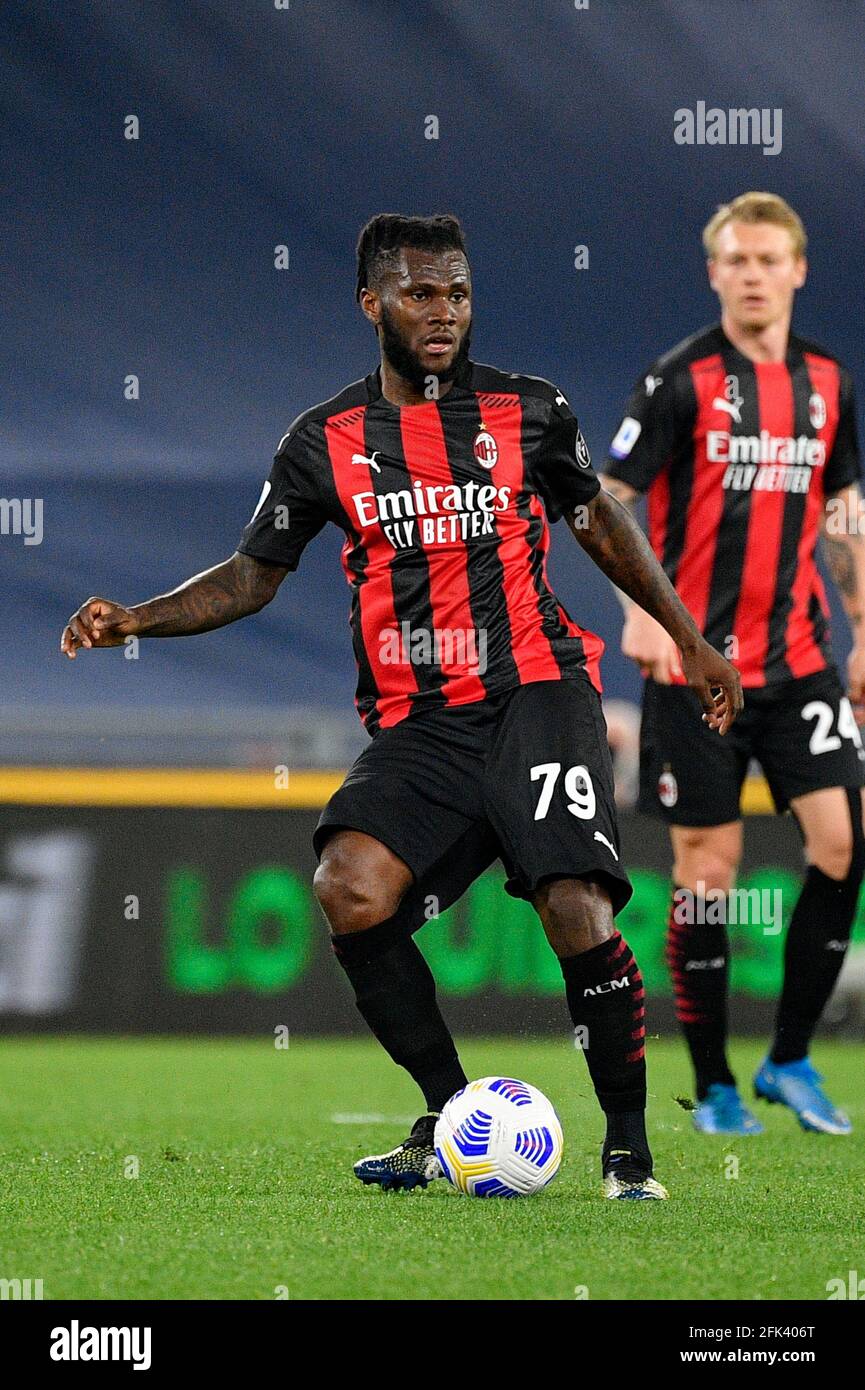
776 667
680 473
357 560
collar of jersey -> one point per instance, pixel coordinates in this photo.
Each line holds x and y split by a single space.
373 386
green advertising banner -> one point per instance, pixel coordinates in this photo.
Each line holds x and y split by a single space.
181 921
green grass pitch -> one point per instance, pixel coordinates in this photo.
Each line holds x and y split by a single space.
244 1188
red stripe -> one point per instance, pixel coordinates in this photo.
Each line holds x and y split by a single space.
803 653
775 413
530 647
375 595
658 507
426 458
706 502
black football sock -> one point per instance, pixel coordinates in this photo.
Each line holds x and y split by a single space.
395 993
817 941
698 958
626 1133
606 1000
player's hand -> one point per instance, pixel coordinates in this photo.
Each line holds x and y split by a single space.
98 623
651 646
856 682
716 684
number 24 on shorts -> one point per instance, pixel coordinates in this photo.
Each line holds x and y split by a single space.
822 740
578 788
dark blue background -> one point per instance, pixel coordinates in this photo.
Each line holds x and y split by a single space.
261 126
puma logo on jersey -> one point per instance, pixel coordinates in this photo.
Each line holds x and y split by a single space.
731 407
731 401
371 463
652 383
262 499
604 841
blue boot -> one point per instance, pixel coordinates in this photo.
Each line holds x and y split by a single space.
798 1086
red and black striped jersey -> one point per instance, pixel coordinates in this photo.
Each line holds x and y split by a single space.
445 508
737 458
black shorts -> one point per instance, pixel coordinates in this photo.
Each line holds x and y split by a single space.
802 732
524 776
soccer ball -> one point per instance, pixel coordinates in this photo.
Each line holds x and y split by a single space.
499 1138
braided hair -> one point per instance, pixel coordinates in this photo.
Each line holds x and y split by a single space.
387 233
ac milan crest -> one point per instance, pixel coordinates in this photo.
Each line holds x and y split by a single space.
486 449
817 410
668 788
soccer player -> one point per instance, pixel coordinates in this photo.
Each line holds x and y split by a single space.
480 692
744 439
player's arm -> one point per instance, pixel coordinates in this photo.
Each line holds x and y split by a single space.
612 537
232 590
288 515
844 549
643 639
659 417
842 527
605 528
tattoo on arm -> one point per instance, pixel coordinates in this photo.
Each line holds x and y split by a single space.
624 493
842 564
212 599
619 547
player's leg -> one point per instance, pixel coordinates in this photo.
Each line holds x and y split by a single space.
396 832
606 1001
817 939
360 884
705 863
811 752
692 779
549 797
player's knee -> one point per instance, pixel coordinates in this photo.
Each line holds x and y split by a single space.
834 834
702 866
350 897
832 852
577 914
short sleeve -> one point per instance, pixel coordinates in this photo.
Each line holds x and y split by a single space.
843 465
290 512
655 422
562 466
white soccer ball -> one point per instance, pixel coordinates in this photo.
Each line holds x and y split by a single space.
498 1137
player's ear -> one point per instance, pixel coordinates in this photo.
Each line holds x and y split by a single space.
800 273
710 271
370 303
